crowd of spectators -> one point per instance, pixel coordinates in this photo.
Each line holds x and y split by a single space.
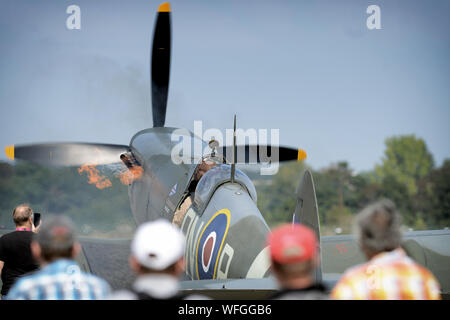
38 262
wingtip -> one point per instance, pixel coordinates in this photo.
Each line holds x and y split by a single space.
164 7
9 151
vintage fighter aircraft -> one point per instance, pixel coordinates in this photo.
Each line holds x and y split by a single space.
224 229
226 256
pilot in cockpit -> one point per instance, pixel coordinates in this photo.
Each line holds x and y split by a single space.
206 164
202 168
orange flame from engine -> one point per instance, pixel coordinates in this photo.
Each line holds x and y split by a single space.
94 177
128 176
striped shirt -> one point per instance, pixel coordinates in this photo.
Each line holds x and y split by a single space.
387 276
60 280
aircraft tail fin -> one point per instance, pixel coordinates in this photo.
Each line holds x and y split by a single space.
307 211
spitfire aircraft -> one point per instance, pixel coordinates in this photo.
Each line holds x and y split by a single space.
226 255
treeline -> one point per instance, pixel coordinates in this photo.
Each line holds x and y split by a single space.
96 212
407 175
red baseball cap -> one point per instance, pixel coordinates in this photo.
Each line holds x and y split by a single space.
292 243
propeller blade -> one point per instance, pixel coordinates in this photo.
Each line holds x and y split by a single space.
161 65
252 154
67 154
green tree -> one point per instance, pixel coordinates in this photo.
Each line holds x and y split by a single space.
406 160
432 203
277 199
440 180
64 191
339 218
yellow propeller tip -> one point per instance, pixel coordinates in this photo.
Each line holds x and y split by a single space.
164 7
301 155
9 150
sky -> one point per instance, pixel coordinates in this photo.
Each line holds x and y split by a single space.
310 68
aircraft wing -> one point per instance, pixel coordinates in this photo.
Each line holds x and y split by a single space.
231 288
237 289
428 248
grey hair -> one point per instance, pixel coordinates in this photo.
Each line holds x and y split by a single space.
378 227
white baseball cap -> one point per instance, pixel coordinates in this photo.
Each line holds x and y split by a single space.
158 244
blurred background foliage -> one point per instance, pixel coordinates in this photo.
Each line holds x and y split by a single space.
96 212
406 174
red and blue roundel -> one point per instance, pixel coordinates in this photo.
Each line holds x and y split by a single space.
210 244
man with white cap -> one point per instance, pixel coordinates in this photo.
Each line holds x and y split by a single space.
157 257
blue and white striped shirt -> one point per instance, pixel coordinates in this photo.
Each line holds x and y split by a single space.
60 280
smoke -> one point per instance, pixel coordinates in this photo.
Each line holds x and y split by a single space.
115 92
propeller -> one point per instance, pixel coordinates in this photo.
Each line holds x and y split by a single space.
251 154
160 65
67 154
77 154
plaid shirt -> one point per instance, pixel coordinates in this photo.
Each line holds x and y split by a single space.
60 280
387 276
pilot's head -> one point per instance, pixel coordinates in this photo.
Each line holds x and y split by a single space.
203 167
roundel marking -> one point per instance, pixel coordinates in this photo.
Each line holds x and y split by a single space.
210 243
208 247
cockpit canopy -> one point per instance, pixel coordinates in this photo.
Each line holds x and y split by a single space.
169 157
214 178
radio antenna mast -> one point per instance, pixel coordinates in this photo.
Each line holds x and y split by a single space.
233 163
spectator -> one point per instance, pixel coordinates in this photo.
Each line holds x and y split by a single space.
389 274
15 252
60 278
294 259
157 257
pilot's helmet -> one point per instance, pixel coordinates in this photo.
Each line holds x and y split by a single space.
207 162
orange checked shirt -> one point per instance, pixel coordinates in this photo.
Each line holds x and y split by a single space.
387 276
